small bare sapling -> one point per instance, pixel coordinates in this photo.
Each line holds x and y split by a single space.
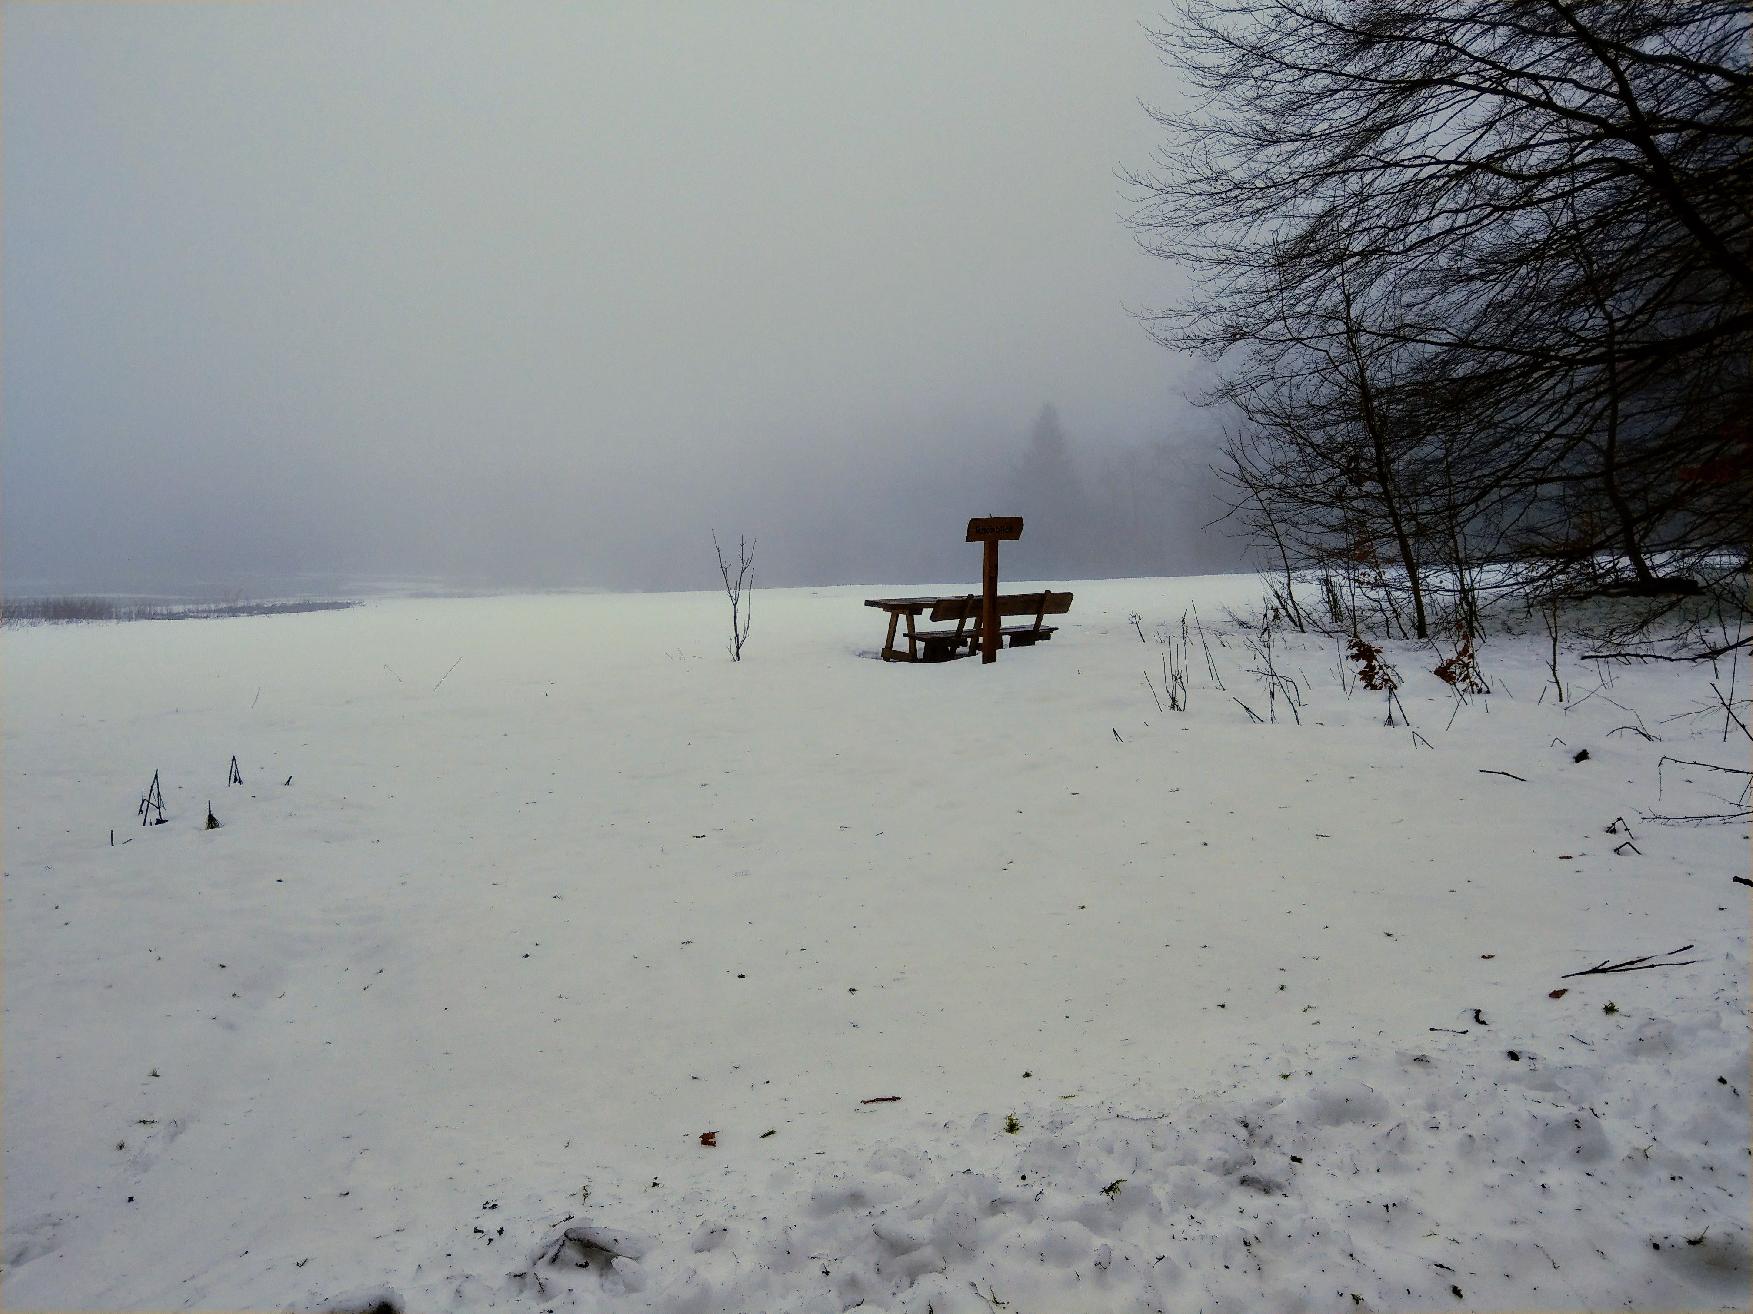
1175 669
735 588
1275 682
1550 617
1175 662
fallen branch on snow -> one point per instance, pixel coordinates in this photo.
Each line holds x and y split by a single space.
1708 654
1697 818
1604 968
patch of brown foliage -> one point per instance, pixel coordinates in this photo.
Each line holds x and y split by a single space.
1372 671
1462 670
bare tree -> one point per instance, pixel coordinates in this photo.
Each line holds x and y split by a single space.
1477 276
735 586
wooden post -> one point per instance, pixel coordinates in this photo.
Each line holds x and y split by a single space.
989 531
989 603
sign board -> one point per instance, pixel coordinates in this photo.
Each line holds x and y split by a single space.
989 532
994 529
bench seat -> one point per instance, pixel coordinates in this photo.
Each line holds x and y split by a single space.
1021 636
941 645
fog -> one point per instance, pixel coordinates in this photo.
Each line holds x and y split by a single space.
522 294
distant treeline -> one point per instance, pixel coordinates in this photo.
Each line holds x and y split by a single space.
26 611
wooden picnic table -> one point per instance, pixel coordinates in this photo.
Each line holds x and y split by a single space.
987 610
911 609
942 644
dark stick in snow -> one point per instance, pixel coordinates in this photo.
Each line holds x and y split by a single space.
1696 818
1604 968
152 805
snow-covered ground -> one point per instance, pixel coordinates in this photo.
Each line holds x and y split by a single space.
521 896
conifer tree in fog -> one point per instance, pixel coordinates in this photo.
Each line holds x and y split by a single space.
1048 493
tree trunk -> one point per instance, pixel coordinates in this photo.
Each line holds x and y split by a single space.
1372 422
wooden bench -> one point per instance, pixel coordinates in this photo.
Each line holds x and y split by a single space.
942 645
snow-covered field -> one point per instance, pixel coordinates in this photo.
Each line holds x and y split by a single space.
1182 1012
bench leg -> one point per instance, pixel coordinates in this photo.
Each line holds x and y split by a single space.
912 640
889 653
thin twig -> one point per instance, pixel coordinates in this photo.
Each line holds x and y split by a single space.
1729 712
1698 818
1643 964
1708 766
1708 654
1149 684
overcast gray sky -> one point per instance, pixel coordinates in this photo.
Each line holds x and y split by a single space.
536 293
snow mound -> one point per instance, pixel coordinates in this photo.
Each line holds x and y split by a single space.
1332 1177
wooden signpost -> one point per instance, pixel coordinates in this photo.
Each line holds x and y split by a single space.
991 531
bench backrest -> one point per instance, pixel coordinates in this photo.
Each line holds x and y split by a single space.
1009 604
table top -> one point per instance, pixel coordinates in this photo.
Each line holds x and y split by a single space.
914 605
